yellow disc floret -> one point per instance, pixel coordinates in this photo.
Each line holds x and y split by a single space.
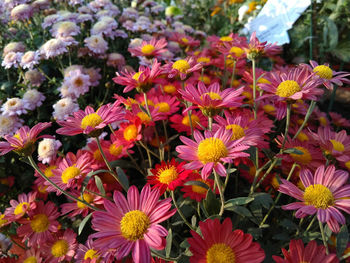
162 107
237 131
199 189
226 38
40 223
181 65
194 120
19 208
167 175
92 120
60 248
318 196
169 88
48 171
31 259
237 51
220 253
87 198
91 254
147 49
134 225
287 88
214 95
115 150
211 150
338 146
324 72
304 158
130 132
69 173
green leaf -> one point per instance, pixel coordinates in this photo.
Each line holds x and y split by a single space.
83 223
197 183
293 151
211 204
244 212
342 240
122 178
99 185
169 241
327 231
342 51
332 34
263 199
238 201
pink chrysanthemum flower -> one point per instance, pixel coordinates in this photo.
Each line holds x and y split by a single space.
312 253
33 255
21 207
62 248
63 108
325 193
11 59
333 144
96 44
89 121
182 68
165 104
181 122
70 169
143 80
145 118
211 100
32 99
256 48
338 120
77 83
132 224
218 243
41 224
13 106
9 124
23 140
297 83
329 76
30 59
210 151
149 49
53 48
87 253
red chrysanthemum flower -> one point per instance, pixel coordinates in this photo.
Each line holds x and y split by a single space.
168 175
181 122
197 192
219 243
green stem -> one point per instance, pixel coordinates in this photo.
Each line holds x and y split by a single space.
289 110
233 73
308 114
156 254
180 212
210 123
166 137
34 165
222 198
264 176
254 89
323 236
311 223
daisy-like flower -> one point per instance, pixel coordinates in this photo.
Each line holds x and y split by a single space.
96 44
196 192
62 248
297 83
333 144
13 106
32 99
132 224
90 122
329 76
168 175
20 208
69 170
77 82
325 194
143 80
23 141
182 68
149 49
47 150
32 255
30 59
210 151
145 118
211 100
339 121
53 48
129 132
181 122
38 228
63 108
87 253
256 48
166 104
9 125
312 253
219 243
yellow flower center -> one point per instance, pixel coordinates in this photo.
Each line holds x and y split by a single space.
304 158
2 220
169 88
114 150
130 132
185 40
323 121
318 196
87 198
162 107
92 120
220 253
274 182
19 208
134 225
268 108
42 189
91 254
143 116
213 95
31 259
203 60
226 38
181 65
147 49
167 175
287 88
60 248
338 146
323 71
263 80
302 137
347 165
40 223
194 120
136 76
211 150
237 131
48 170
206 80
69 173
237 51
199 189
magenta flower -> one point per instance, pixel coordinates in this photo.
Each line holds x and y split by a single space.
150 49
211 100
132 224
211 151
257 48
90 122
21 207
22 142
325 194
182 67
